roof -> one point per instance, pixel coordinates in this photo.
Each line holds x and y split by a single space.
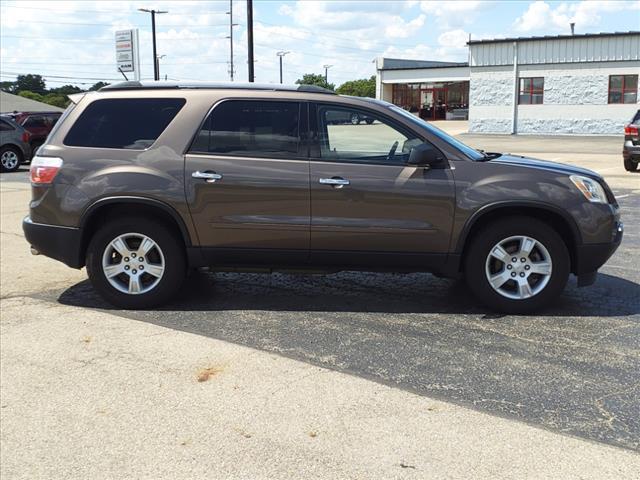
554 37
404 64
15 103
146 85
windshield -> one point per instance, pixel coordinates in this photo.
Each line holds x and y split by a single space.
467 150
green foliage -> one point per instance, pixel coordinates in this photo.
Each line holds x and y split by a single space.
315 79
365 87
30 82
66 90
55 99
8 86
98 86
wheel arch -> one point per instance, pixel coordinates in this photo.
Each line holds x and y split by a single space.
102 209
553 216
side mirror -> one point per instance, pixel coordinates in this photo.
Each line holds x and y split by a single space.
425 155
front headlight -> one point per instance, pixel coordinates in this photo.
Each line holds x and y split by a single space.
590 188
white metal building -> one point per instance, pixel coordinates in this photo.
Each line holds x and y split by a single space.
567 84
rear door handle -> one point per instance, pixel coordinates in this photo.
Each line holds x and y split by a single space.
210 177
336 182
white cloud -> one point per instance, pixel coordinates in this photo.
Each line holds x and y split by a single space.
454 38
398 28
452 13
541 16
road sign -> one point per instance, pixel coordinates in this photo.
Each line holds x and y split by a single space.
127 53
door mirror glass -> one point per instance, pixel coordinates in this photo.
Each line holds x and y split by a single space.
425 155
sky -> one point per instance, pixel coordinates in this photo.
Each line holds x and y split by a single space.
72 42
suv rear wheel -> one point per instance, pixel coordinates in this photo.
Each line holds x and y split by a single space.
10 158
136 263
630 165
517 265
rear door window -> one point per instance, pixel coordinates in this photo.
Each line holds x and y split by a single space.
252 128
130 123
35 121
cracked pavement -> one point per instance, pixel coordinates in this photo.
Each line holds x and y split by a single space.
350 375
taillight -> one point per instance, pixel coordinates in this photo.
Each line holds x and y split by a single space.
26 136
44 169
631 129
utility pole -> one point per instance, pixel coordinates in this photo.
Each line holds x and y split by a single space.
281 54
230 37
326 76
250 38
156 72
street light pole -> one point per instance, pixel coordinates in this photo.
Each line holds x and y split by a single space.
250 38
156 72
230 37
281 54
326 76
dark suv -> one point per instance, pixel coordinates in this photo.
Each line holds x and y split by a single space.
140 182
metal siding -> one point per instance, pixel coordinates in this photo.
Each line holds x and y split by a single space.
565 50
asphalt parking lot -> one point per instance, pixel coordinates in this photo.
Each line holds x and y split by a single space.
572 370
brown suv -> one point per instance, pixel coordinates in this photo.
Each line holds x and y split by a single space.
140 182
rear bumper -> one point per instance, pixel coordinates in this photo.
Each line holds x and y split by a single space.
59 243
631 151
590 257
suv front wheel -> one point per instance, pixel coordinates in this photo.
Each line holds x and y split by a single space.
517 265
136 263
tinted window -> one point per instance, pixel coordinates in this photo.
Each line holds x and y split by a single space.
356 136
5 127
35 122
133 123
251 128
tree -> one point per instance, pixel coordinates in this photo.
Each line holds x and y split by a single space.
365 87
66 90
98 86
30 82
8 86
31 95
315 79
55 99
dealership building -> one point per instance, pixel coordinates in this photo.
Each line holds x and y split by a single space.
565 84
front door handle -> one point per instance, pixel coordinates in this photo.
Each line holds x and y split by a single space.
210 177
335 182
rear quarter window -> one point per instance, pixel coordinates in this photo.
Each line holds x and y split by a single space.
129 123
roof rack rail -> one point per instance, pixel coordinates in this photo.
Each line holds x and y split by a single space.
136 85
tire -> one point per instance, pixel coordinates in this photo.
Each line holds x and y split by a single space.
630 165
354 119
512 295
154 287
369 121
10 158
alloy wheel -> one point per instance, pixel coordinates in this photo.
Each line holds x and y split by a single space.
133 263
518 267
9 160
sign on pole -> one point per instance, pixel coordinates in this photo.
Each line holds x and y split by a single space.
127 52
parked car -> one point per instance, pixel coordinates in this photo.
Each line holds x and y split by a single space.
38 124
14 145
354 118
631 149
142 181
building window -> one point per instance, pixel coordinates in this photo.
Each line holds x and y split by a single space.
531 91
623 88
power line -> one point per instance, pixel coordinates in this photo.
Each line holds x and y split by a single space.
114 12
115 23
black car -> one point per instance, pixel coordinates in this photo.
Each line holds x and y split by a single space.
631 149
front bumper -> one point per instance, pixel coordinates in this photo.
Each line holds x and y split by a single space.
590 257
60 243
